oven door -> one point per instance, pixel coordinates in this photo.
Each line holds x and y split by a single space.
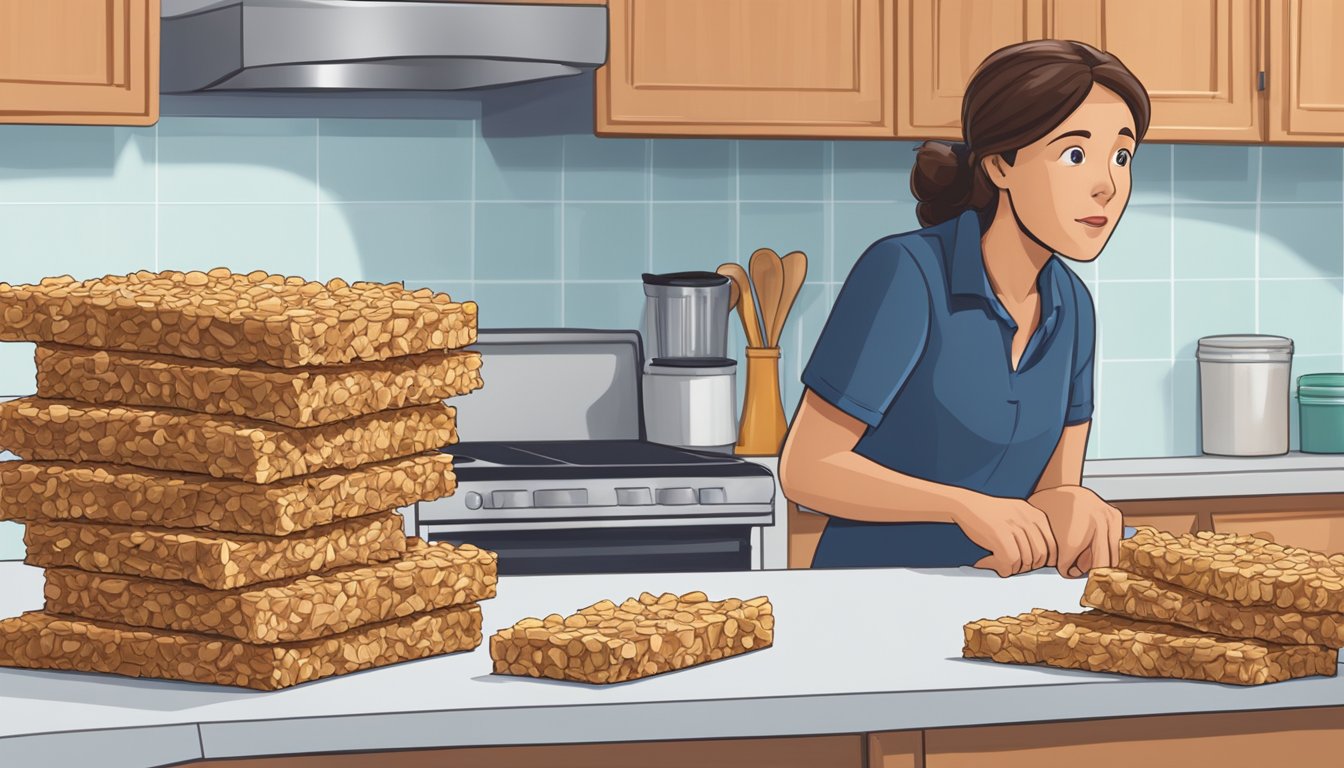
671 549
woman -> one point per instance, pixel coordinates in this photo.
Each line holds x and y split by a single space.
949 396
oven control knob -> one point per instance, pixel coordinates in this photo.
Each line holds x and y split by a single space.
510 499
713 496
634 497
676 496
472 499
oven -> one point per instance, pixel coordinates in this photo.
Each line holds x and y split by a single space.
555 474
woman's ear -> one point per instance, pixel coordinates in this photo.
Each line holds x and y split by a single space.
996 169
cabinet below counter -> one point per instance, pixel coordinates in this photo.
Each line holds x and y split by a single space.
1295 499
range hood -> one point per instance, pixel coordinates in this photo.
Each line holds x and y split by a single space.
423 45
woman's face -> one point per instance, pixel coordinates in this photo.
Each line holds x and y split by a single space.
1068 189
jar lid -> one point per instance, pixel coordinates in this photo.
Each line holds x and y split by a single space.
1321 384
686 279
1245 347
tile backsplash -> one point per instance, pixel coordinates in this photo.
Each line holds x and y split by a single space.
555 229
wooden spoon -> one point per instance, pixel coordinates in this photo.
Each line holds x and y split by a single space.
734 293
795 272
746 305
767 275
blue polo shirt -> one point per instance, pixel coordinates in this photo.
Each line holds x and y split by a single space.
919 349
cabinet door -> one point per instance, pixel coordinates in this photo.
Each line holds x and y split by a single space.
1306 89
1198 60
79 61
1318 531
941 43
748 68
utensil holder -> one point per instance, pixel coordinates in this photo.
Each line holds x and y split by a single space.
763 426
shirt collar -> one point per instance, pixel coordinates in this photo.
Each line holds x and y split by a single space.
968 277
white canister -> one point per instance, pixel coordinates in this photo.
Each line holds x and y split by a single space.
691 403
1244 394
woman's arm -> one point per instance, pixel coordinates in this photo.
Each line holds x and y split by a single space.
1086 528
819 469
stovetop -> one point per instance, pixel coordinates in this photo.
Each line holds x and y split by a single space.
566 449
590 460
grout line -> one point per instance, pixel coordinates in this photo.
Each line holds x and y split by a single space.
436 201
564 142
648 205
1119 280
613 202
1097 367
156 197
830 212
737 201
1171 311
471 225
317 198
1137 360
1259 186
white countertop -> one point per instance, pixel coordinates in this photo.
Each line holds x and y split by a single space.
855 650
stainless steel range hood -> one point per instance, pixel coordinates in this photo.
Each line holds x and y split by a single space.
251 45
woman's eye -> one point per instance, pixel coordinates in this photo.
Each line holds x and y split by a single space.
1072 156
1122 157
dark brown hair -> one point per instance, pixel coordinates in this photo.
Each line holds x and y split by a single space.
1017 95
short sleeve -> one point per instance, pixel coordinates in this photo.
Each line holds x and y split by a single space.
1084 348
874 336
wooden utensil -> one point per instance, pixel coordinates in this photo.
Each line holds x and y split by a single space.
767 276
746 305
734 293
795 272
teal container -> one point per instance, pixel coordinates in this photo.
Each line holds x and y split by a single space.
1320 403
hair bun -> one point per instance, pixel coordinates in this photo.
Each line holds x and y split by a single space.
941 181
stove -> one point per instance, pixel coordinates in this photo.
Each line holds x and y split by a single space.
557 476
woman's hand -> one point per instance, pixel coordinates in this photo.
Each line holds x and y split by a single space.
1016 534
1086 528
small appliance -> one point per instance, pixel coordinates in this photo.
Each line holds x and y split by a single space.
690 385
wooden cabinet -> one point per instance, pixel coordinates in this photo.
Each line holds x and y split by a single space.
896 749
940 44
79 61
883 68
1318 530
1306 86
1312 521
1199 61
1232 738
748 68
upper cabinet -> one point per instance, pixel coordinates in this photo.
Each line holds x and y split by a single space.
1199 61
1216 70
748 68
79 61
941 42
1306 93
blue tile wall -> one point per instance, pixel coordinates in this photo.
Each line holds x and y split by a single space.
555 229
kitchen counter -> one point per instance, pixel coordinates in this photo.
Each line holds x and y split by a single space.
1179 477
855 651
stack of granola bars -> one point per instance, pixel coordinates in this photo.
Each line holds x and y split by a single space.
211 470
1218 607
